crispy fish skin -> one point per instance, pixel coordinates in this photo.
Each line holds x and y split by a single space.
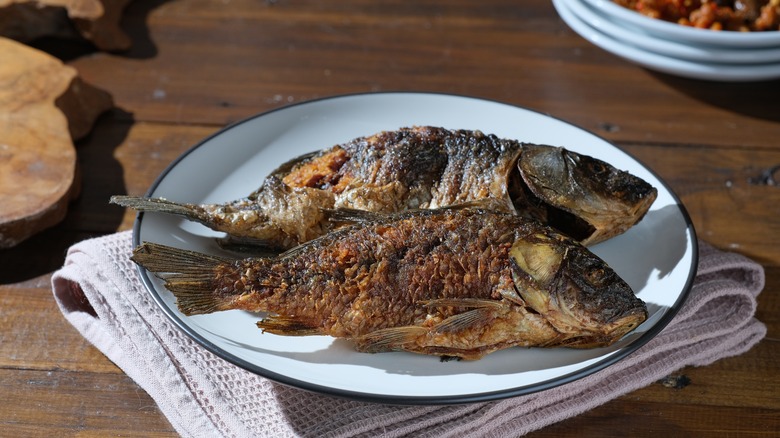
426 167
449 282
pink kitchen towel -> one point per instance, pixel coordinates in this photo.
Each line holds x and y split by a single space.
99 291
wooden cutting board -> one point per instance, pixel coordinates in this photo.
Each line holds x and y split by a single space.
44 107
97 21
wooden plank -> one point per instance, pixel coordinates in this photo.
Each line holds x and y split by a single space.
35 335
198 65
65 403
623 417
276 54
722 190
739 381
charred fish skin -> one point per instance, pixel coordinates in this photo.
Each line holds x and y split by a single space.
437 167
450 282
426 167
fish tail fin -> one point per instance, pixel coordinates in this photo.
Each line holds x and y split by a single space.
142 203
191 276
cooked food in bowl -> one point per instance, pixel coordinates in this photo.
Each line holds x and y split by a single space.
732 15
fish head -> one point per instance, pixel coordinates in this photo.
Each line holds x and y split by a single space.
583 197
574 290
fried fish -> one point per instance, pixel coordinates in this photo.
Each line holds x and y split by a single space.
455 282
420 168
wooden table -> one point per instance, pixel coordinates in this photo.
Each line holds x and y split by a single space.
197 65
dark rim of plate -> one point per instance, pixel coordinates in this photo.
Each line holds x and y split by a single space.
417 400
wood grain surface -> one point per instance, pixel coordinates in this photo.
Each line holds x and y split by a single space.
198 65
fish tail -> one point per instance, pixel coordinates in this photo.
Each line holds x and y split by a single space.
142 203
191 276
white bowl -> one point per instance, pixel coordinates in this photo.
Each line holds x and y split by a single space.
663 63
692 52
686 34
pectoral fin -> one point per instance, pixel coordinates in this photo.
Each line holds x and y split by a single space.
389 339
481 309
463 320
286 326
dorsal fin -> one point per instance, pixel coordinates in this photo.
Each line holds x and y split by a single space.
352 215
355 216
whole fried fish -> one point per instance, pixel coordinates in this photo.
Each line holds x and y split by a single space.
451 282
426 167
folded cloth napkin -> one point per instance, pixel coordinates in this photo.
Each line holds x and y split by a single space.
100 293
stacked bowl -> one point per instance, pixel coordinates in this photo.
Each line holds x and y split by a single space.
672 48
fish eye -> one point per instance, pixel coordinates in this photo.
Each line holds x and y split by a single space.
597 166
595 276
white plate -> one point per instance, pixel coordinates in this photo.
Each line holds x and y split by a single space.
666 64
687 34
657 257
692 52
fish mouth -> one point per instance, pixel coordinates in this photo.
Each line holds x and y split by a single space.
623 322
608 335
628 323
620 325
